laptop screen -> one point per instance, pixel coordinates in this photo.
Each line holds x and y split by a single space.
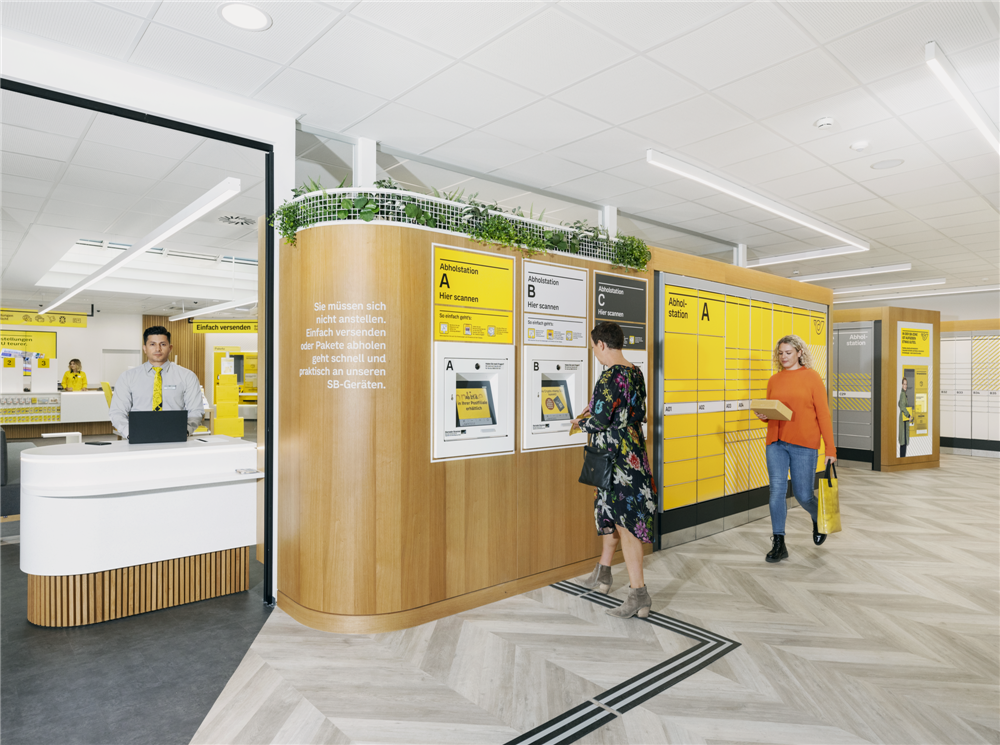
157 426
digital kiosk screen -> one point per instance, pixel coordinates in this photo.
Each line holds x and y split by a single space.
555 401
474 403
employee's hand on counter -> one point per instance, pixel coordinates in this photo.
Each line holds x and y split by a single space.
762 417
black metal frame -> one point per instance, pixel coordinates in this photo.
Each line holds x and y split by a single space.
269 259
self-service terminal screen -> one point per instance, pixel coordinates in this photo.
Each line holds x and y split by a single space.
556 405
474 403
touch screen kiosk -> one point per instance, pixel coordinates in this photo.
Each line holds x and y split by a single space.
473 400
554 391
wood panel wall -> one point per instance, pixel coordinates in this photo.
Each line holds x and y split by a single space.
189 347
262 229
371 534
34 431
983 324
889 317
82 599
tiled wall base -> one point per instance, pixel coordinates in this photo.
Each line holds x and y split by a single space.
82 599
686 535
967 451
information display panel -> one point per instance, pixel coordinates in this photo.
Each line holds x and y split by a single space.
915 345
556 403
716 357
474 403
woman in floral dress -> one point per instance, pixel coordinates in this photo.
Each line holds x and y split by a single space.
625 512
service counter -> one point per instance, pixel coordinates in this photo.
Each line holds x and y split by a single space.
120 529
33 413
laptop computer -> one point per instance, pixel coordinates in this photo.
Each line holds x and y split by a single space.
157 426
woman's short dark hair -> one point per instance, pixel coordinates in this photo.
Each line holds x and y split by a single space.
610 333
155 331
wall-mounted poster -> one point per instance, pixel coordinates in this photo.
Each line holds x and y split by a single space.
913 397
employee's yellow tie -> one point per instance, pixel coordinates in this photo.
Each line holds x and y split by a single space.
158 390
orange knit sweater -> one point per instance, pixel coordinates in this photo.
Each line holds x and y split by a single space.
803 392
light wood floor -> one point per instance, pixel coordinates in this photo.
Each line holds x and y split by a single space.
888 633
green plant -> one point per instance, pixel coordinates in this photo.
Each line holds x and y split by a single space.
631 252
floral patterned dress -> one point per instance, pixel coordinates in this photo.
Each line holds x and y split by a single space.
616 413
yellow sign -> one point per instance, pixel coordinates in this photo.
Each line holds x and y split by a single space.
39 342
9 362
921 398
680 310
224 327
453 324
915 342
14 317
43 362
473 407
473 280
554 404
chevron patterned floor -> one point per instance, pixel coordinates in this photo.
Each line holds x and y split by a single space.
888 633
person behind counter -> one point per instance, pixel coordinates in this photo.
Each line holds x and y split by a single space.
793 446
156 385
75 379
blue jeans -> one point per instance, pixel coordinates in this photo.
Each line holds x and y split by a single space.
782 457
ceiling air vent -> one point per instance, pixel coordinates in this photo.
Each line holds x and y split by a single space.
237 220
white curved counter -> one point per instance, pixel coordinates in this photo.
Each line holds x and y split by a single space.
149 511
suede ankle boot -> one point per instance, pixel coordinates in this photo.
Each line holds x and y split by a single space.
637 603
599 579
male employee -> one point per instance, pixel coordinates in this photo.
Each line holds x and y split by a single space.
156 385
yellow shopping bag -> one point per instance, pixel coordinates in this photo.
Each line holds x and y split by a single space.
828 512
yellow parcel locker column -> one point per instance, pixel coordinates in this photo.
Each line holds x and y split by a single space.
816 342
761 367
711 394
737 393
680 397
227 419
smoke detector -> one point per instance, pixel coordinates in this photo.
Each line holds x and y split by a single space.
859 145
824 123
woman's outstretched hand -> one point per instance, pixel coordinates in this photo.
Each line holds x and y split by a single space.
762 417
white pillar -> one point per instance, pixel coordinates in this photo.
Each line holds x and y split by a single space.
740 255
364 163
608 218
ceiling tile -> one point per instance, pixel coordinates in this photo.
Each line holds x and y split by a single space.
548 52
978 66
29 166
193 58
630 90
676 213
971 168
453 28
406 128
981 216
914 157
985 184
910 90
928 194
753 37
174 192
595 187
545 125
88 26
118 160
808 77
34 186
833 197
542 171
882 137
806 183
954 207
229 159
727 204
293 25
641 200
480 151
643 173
710 223
483 97
774 166
32 142
643 25
898 43
827 21
960 146
345 55
604 150
325 104
855 209
78 209
885 226
92 196
12 200
42 115
736 145
849 111
139 8
687 122
117 131
939 120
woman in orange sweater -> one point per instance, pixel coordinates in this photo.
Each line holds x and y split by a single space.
794 445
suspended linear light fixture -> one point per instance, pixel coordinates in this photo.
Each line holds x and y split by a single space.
897 286
929 293
884 269
221 194
820 253
941 66
215 308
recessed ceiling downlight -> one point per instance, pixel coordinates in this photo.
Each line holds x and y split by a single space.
883 164
244 16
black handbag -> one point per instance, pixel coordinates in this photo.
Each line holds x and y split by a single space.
598 464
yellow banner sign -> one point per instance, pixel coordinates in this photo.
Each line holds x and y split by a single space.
915 342
38 342
224 327
453 324
473 280
15 317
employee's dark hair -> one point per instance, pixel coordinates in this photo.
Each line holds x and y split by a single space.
610 333
155 331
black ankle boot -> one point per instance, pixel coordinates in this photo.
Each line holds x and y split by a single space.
778 550
818 537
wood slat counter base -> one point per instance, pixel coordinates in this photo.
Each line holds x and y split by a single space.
83 599
34 431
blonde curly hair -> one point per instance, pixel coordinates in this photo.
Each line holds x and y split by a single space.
805 357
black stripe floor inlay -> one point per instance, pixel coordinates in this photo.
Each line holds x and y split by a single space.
571 725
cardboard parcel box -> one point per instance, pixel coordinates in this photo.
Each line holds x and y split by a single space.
771 409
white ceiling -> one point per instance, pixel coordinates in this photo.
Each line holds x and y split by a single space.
567 96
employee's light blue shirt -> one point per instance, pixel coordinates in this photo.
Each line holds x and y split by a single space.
134 390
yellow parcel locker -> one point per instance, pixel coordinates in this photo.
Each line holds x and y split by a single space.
680 495
709 445
680 425
680 397
802 324
680 448
711 314
781 323
712 423
680 310
711 358
711 488
680 472
760 325
711 467
680 357
737 322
